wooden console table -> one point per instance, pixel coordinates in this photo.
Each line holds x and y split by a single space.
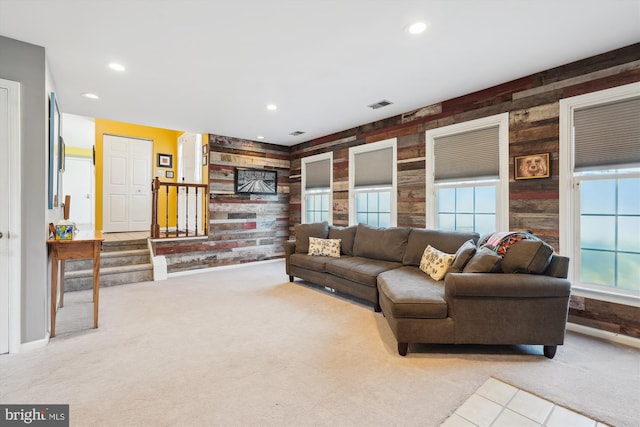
86 244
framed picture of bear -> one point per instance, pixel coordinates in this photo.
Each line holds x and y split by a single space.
532 166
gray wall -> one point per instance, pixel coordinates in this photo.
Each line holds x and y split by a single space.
25 63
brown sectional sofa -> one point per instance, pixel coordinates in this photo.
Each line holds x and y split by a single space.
381 266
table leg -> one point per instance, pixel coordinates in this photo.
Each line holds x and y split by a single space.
96 282
54 291
61 283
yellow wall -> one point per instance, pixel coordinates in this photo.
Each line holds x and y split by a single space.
164 141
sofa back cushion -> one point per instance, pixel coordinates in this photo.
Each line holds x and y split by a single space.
387 244
304 231
527 256
347 235
445 241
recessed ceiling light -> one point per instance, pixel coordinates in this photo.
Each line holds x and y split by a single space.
272 107
260 137
90 95
417 27
116 67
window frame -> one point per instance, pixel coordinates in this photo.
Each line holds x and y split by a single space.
569 192
393 188
502 182
303 191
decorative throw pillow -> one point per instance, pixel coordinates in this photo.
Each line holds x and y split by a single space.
463 255
324 247
527 256
484 261
435 263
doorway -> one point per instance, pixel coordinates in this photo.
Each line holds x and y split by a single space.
79 184
126 183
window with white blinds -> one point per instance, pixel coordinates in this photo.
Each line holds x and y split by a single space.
317 192
469 155
372 184
607 135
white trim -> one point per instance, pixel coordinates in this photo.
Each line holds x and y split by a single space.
222 267
569 228
502 188
14 202
605 335
393 144
34 345
303 183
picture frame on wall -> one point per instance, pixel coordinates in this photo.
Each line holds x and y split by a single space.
165 160
54 150
532 166
169 174
256 181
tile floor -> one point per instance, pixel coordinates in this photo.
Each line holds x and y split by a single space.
498 404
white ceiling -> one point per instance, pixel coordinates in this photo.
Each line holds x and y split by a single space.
211 66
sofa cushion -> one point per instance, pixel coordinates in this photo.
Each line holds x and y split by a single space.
463 255
435 263
347 235
413 294
445 241
315 263
358 269
304 231
387 244
484 261
324 247
527 256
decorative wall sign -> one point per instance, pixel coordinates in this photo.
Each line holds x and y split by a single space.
532 166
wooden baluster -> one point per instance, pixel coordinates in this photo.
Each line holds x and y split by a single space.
155 227
166 214
177 211
186 213
196 209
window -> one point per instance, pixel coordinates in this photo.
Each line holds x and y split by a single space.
372 184
600 191
317 173
467 175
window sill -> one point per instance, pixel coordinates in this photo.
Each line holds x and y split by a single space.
604 295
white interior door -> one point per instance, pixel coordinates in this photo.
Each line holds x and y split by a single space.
10 260
127 183
78 183
4 222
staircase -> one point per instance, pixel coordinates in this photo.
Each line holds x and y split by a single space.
121 262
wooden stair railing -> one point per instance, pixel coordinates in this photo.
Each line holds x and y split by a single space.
201 221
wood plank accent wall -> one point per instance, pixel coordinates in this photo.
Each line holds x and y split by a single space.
242 227
533 106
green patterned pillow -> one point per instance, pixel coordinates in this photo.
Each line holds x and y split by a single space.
324 247
436 263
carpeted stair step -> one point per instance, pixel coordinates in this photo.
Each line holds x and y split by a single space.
110 259
124 245
110 276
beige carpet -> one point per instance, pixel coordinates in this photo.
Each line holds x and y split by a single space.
244 347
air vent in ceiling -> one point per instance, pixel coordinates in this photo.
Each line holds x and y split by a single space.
380 104
296 133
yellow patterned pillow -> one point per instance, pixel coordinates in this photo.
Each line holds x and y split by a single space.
324 247
436 263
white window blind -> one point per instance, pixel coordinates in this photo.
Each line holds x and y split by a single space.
466 155
317 175
607 135
374 168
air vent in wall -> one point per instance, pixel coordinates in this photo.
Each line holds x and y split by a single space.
380 104
296 133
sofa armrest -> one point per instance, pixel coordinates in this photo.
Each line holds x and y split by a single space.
503 285
289 249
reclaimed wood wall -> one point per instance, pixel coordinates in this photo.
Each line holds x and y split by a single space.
242 227
533 106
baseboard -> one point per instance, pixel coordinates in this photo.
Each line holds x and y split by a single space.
222 267
33 345
605 335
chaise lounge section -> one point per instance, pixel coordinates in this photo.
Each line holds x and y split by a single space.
514 292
